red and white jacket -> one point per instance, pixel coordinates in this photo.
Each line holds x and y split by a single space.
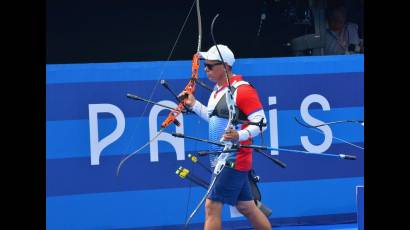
247 101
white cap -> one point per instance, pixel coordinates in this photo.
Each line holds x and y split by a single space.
213 54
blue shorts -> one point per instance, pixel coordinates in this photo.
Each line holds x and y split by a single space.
231 186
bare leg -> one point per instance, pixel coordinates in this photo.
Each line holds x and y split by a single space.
213 219
255 216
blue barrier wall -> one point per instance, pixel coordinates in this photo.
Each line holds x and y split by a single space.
148 193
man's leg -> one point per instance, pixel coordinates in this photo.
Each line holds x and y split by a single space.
256 217
213 219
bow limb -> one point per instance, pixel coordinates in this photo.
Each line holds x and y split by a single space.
221 160
330 123
190 86
231 108
136 151
198 14
211 185
229 98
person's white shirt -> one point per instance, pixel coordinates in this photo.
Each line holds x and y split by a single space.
338 43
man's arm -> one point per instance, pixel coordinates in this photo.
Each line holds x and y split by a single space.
201 110
196 106
248 102
252 131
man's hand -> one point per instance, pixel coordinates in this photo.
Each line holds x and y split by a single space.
231 135
188 98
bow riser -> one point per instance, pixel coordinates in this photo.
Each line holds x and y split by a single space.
189 88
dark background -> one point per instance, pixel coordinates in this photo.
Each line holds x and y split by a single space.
80 31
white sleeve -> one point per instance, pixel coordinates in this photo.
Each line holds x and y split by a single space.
252 130
353 30
201 110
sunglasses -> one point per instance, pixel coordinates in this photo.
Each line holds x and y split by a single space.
210 66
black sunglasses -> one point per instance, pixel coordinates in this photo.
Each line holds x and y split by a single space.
210 66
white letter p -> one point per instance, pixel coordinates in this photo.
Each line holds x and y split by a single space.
96 145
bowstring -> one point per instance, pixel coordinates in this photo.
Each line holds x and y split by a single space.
164 65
